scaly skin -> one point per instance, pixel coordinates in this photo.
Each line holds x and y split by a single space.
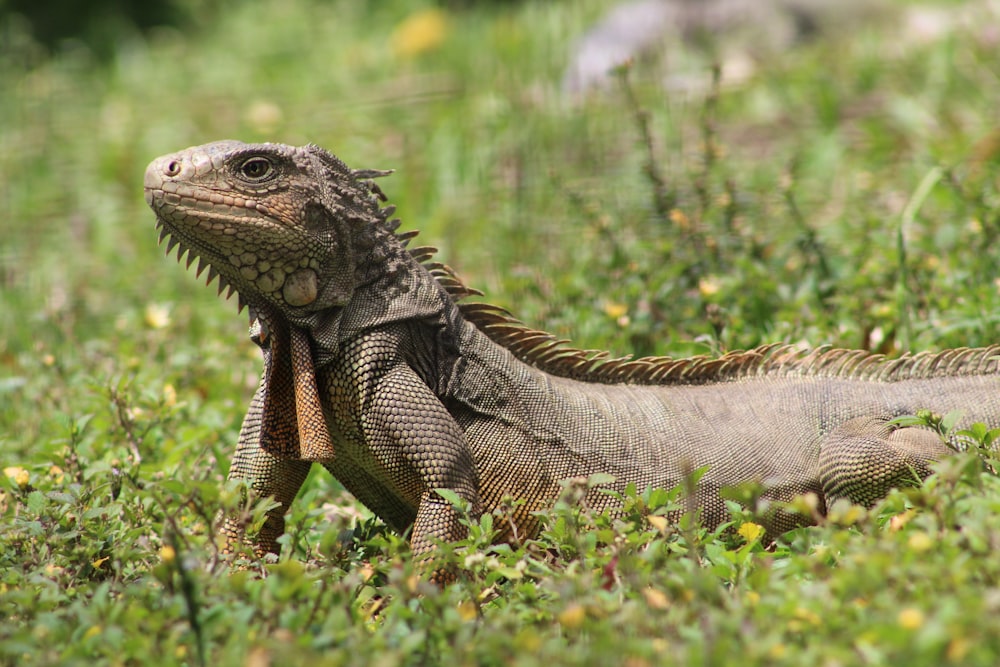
373 369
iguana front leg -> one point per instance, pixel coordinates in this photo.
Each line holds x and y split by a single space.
265 456
267 476
423 449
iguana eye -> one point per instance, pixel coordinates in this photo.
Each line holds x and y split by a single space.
256 168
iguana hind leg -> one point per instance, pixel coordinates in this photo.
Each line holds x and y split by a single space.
863 458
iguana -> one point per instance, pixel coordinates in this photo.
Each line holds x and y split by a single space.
377 368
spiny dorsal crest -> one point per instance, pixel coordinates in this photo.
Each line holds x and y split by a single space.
555 356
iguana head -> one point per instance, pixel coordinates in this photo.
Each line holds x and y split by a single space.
279 224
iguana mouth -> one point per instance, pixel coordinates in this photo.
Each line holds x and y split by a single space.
186 254
165 195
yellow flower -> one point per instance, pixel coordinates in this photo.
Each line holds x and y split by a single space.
900 520
420 32
910 618
708 286
18 475
157 315
679 218
920 542
957 648
655 599
573 616
527 640
468 611
167 554
169 395
615 310
750 531
807 615
658 522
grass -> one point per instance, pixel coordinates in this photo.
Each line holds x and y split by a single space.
846 194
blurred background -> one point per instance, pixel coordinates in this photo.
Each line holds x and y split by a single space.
648 176
654 176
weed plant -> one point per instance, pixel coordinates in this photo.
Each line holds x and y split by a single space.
846 194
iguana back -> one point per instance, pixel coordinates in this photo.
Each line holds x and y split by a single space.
377 369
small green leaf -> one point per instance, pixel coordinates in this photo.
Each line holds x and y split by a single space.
36 502
451 496
949 421
600 479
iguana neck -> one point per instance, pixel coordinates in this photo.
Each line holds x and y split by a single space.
392 288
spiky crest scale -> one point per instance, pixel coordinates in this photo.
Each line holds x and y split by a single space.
554 355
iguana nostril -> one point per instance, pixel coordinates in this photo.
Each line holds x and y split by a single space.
173 168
